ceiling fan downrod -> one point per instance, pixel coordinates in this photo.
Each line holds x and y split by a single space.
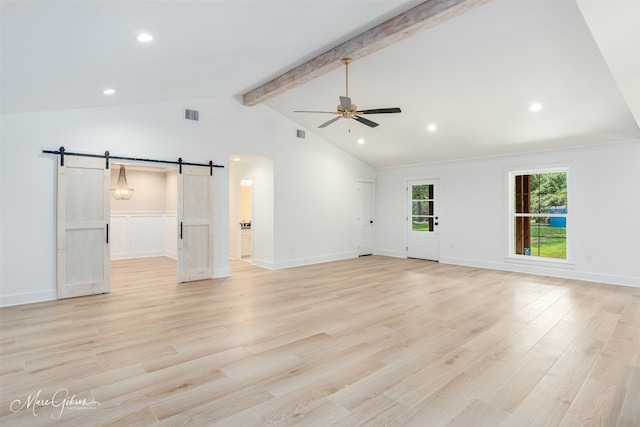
346 62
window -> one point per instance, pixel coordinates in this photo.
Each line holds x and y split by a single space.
539 213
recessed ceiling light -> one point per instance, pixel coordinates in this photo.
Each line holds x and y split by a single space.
108 91
236 159
432 127
361 141
144 38
535 107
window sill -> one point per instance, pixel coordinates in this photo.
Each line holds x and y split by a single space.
540 262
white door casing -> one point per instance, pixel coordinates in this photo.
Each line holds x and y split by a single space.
83 222
195 224
422 219
365 218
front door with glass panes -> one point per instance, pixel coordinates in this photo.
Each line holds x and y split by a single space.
422 219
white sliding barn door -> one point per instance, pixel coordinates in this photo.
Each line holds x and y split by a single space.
83 222
195 224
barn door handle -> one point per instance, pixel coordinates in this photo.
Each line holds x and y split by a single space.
180 230
107 233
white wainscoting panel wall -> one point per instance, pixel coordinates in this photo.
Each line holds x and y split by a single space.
143 234
171 234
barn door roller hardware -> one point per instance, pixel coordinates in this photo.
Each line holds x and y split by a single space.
107 156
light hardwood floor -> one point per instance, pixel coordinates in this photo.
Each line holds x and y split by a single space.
372 341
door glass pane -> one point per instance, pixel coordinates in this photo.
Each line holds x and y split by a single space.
422 207
421 223
422 192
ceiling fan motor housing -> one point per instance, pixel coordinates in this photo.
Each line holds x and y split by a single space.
347 113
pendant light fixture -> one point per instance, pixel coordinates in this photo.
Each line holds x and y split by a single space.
122 190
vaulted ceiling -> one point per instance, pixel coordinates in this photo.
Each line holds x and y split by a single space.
474 76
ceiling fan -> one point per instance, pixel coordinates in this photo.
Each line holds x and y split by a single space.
347 110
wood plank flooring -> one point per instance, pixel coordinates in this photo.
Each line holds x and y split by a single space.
373 341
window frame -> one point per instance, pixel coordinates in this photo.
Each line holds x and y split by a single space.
510 255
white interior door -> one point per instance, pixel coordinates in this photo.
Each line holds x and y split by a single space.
422 219
365 218
195 224
83 227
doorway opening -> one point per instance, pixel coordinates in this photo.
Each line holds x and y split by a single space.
251 205
246 208
142 231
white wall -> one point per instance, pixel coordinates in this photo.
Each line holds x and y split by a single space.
604 210
171 191
315 202
313 186
150 190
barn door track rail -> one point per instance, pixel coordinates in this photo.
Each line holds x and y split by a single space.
107 156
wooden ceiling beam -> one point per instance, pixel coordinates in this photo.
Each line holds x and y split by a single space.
419 18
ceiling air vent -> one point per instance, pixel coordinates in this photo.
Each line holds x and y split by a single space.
191 114
300 133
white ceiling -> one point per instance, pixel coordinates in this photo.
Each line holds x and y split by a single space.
473 76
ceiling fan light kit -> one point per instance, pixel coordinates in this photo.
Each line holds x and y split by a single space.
347 110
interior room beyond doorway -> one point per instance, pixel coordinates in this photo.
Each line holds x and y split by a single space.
245 218
145 225
251 209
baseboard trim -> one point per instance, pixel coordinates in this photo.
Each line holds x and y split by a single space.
315 260
390 253
28 298
262 263
562 273
116 257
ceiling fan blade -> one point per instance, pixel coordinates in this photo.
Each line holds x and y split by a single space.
327 112
345 102
325 124
365 121
380 111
